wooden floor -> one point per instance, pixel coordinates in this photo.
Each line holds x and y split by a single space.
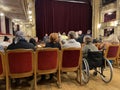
69 83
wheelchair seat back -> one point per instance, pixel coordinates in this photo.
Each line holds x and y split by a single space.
95 59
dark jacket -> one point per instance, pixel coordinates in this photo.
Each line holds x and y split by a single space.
21 44
53 45
80 38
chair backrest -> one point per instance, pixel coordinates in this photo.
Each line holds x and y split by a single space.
20 62
95 59
2 66
70 58
47 60
112 52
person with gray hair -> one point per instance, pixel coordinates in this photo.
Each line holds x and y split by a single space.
88 46
20 42
71 42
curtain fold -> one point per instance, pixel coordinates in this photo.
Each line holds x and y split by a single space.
60 16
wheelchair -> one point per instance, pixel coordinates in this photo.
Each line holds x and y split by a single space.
96 61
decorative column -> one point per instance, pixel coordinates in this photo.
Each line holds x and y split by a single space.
3 28
95 17
10 27
33 22
117 31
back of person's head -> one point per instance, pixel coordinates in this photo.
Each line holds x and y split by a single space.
63 33
54 37
88 31
19 34
5 38
32 40
71 34
88 39
95 40
46 34
80 32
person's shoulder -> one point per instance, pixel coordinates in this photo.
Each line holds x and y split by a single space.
11 46
30 44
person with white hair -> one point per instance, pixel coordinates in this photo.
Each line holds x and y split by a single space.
20 42
71 42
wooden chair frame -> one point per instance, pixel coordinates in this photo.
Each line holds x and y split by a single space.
18 75
3 65
41 72
72 69
113 58
4 75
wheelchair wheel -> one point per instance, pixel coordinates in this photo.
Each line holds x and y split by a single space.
85 71
106 72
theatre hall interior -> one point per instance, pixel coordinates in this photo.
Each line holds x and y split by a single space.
59 44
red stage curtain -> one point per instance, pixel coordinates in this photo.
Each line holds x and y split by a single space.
60 16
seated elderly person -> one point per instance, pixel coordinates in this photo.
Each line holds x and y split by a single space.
19 42
54 41
71 42
88 46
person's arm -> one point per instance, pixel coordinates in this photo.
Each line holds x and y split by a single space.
84 51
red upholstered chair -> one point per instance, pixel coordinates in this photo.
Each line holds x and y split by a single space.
47 62
19 63
2 68
112 53
71 61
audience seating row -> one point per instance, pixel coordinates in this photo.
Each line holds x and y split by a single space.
21 63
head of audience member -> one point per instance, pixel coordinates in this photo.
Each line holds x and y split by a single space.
88 32
6 39
95 40
18 36
77 35
88 40
46 34
36 39
54 37
80 32
71 35
64 33
33 41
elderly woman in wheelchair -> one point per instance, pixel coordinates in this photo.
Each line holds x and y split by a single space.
94 59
